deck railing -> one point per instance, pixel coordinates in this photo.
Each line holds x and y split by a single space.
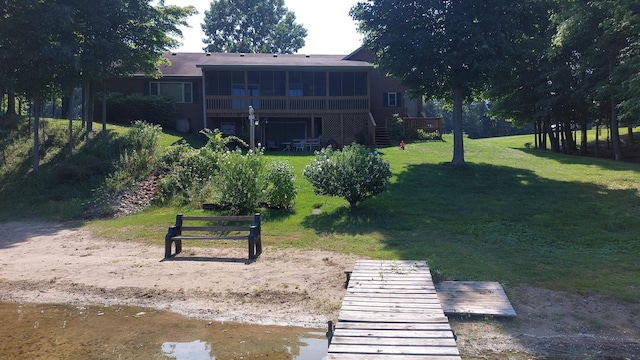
268 104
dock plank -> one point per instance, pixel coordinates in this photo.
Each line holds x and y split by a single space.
391 311
474 298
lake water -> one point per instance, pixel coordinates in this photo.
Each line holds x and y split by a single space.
53 331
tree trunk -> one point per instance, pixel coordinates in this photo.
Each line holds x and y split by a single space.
583 138
458 136
104 107
87 100
70 99
83 106
569 140
11 104
553 139
597 139
630 135
615 132
36 130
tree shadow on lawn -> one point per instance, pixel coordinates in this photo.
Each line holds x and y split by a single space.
588 160
487 222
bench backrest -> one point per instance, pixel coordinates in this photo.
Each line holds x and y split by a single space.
253 219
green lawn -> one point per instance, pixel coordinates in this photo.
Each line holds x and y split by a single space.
513 215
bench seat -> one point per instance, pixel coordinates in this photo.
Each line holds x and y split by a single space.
215 232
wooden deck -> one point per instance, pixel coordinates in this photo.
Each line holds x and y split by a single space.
474 298
391 311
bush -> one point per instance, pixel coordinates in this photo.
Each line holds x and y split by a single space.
396 132
433 135
9 123
238 184
281 191
186 173
138 157
355 173
123 109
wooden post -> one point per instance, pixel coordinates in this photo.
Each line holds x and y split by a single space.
329 333
348 277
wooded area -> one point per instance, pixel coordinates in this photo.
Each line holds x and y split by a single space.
48 49
557 64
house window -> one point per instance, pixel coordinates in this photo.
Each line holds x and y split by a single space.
348 83
392 99
295 83
180 92
237 90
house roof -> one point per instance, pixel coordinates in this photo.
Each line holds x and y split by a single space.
191 64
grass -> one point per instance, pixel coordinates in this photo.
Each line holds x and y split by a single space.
513 215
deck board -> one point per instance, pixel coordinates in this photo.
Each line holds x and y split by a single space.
391 311
474 298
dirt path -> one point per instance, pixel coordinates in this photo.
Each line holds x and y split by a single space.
56 262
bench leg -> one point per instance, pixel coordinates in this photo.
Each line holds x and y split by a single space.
258 245
167 248
252 248
168 241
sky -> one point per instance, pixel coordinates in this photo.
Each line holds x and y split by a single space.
330 29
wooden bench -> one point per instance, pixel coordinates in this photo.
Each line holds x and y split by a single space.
223 228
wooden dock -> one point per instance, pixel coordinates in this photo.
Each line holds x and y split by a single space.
391 311
474 298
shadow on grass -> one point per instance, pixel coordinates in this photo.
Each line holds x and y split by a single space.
486 222
576 159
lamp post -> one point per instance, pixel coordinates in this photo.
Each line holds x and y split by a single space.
252 128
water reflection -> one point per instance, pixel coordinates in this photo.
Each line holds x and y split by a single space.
55 331
196 350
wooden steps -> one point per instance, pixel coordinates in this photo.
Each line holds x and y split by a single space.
382 137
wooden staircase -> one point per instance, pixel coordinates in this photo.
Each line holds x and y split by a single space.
382 137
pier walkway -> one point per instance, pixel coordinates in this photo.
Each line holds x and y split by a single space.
391 311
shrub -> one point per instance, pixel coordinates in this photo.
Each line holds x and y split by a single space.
9 123
396 131
238 185
123 109
138 157
143 135
355 173
280 191
185 172
433 135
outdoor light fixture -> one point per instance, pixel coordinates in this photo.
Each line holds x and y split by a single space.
253 122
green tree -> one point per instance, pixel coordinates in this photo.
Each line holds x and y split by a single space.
120 37
252 26
600 41
34 51
52 46
446 49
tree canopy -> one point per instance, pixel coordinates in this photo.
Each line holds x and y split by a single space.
50 47
252 26
445 48
45 44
